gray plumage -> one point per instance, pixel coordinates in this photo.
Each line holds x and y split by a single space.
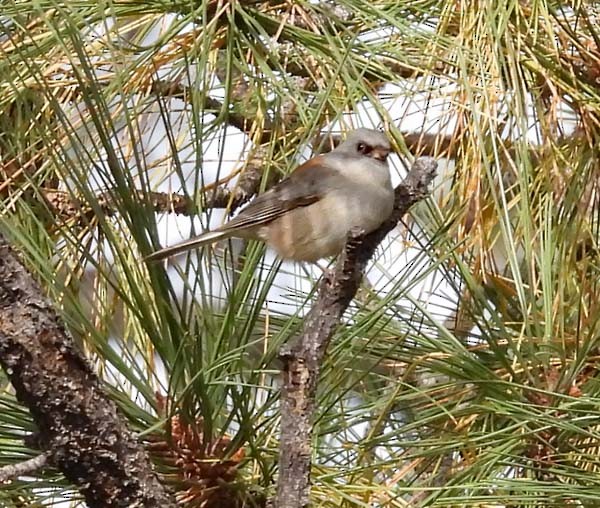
308 215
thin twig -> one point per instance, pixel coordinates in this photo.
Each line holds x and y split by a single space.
237 120
67 207
303 357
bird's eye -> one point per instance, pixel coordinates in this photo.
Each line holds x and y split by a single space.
363 148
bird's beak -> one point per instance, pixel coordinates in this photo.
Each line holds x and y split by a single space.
380 154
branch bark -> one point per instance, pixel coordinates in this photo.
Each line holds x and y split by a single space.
237 120
78 426
303 357
23 468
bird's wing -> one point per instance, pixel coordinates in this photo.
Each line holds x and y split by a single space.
305 186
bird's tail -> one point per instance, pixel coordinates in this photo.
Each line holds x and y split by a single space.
192 243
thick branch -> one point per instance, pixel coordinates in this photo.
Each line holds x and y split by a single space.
78 425
302 359
23 468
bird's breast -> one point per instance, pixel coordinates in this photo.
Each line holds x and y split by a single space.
321 229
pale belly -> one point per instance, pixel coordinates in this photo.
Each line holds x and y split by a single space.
321 230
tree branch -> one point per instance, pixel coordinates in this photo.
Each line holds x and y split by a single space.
237 120
78 426
23 468
62 204
302 359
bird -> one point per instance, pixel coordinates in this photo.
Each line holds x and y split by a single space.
309 215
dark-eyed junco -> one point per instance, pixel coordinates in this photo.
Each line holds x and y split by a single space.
309 215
